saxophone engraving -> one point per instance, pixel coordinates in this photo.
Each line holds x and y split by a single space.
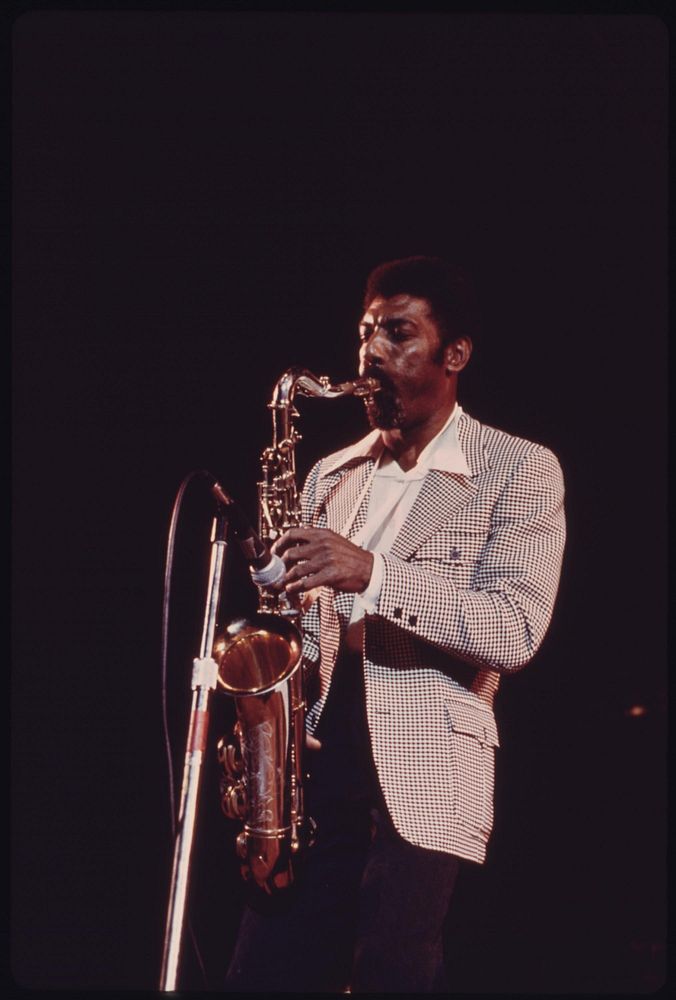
260 665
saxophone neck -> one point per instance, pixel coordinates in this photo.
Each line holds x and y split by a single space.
300 380
307 384
279 506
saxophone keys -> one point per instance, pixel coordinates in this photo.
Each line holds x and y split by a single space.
234 801
230 759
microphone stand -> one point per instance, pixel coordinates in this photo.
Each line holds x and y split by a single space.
204 677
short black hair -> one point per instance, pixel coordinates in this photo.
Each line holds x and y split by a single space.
447 287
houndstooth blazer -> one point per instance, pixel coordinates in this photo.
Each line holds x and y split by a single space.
467 595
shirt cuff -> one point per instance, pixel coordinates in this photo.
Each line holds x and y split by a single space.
369 597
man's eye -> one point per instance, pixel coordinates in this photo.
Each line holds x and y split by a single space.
394 331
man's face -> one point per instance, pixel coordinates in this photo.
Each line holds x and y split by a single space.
401 347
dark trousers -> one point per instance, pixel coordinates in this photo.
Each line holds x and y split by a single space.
367 908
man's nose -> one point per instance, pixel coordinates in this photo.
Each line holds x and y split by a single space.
372 349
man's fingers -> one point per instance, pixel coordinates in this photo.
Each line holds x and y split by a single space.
294 536
308 582
300 571
296 572
299 553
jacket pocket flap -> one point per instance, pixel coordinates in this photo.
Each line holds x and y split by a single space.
473 722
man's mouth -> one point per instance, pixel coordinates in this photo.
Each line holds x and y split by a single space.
383 407
384 384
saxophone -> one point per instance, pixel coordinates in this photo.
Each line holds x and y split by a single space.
260 665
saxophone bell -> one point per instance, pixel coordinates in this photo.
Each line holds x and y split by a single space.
258 662
255 655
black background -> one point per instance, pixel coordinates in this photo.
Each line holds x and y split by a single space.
197 199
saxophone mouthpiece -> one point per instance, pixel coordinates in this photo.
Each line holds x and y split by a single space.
366 386
360 387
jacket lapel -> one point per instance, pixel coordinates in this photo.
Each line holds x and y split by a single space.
343 497
471 443
443 494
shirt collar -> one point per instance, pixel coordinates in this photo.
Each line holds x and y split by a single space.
443 452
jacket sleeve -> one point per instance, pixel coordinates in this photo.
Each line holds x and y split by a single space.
499 621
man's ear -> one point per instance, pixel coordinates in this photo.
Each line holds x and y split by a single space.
457 354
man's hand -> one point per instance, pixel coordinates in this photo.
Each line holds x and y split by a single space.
318 557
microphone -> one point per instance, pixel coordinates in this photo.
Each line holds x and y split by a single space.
267 569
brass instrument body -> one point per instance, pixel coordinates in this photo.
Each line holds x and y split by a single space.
260 665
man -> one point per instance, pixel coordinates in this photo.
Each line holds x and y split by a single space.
430 557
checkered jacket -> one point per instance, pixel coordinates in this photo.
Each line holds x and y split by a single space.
467 595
